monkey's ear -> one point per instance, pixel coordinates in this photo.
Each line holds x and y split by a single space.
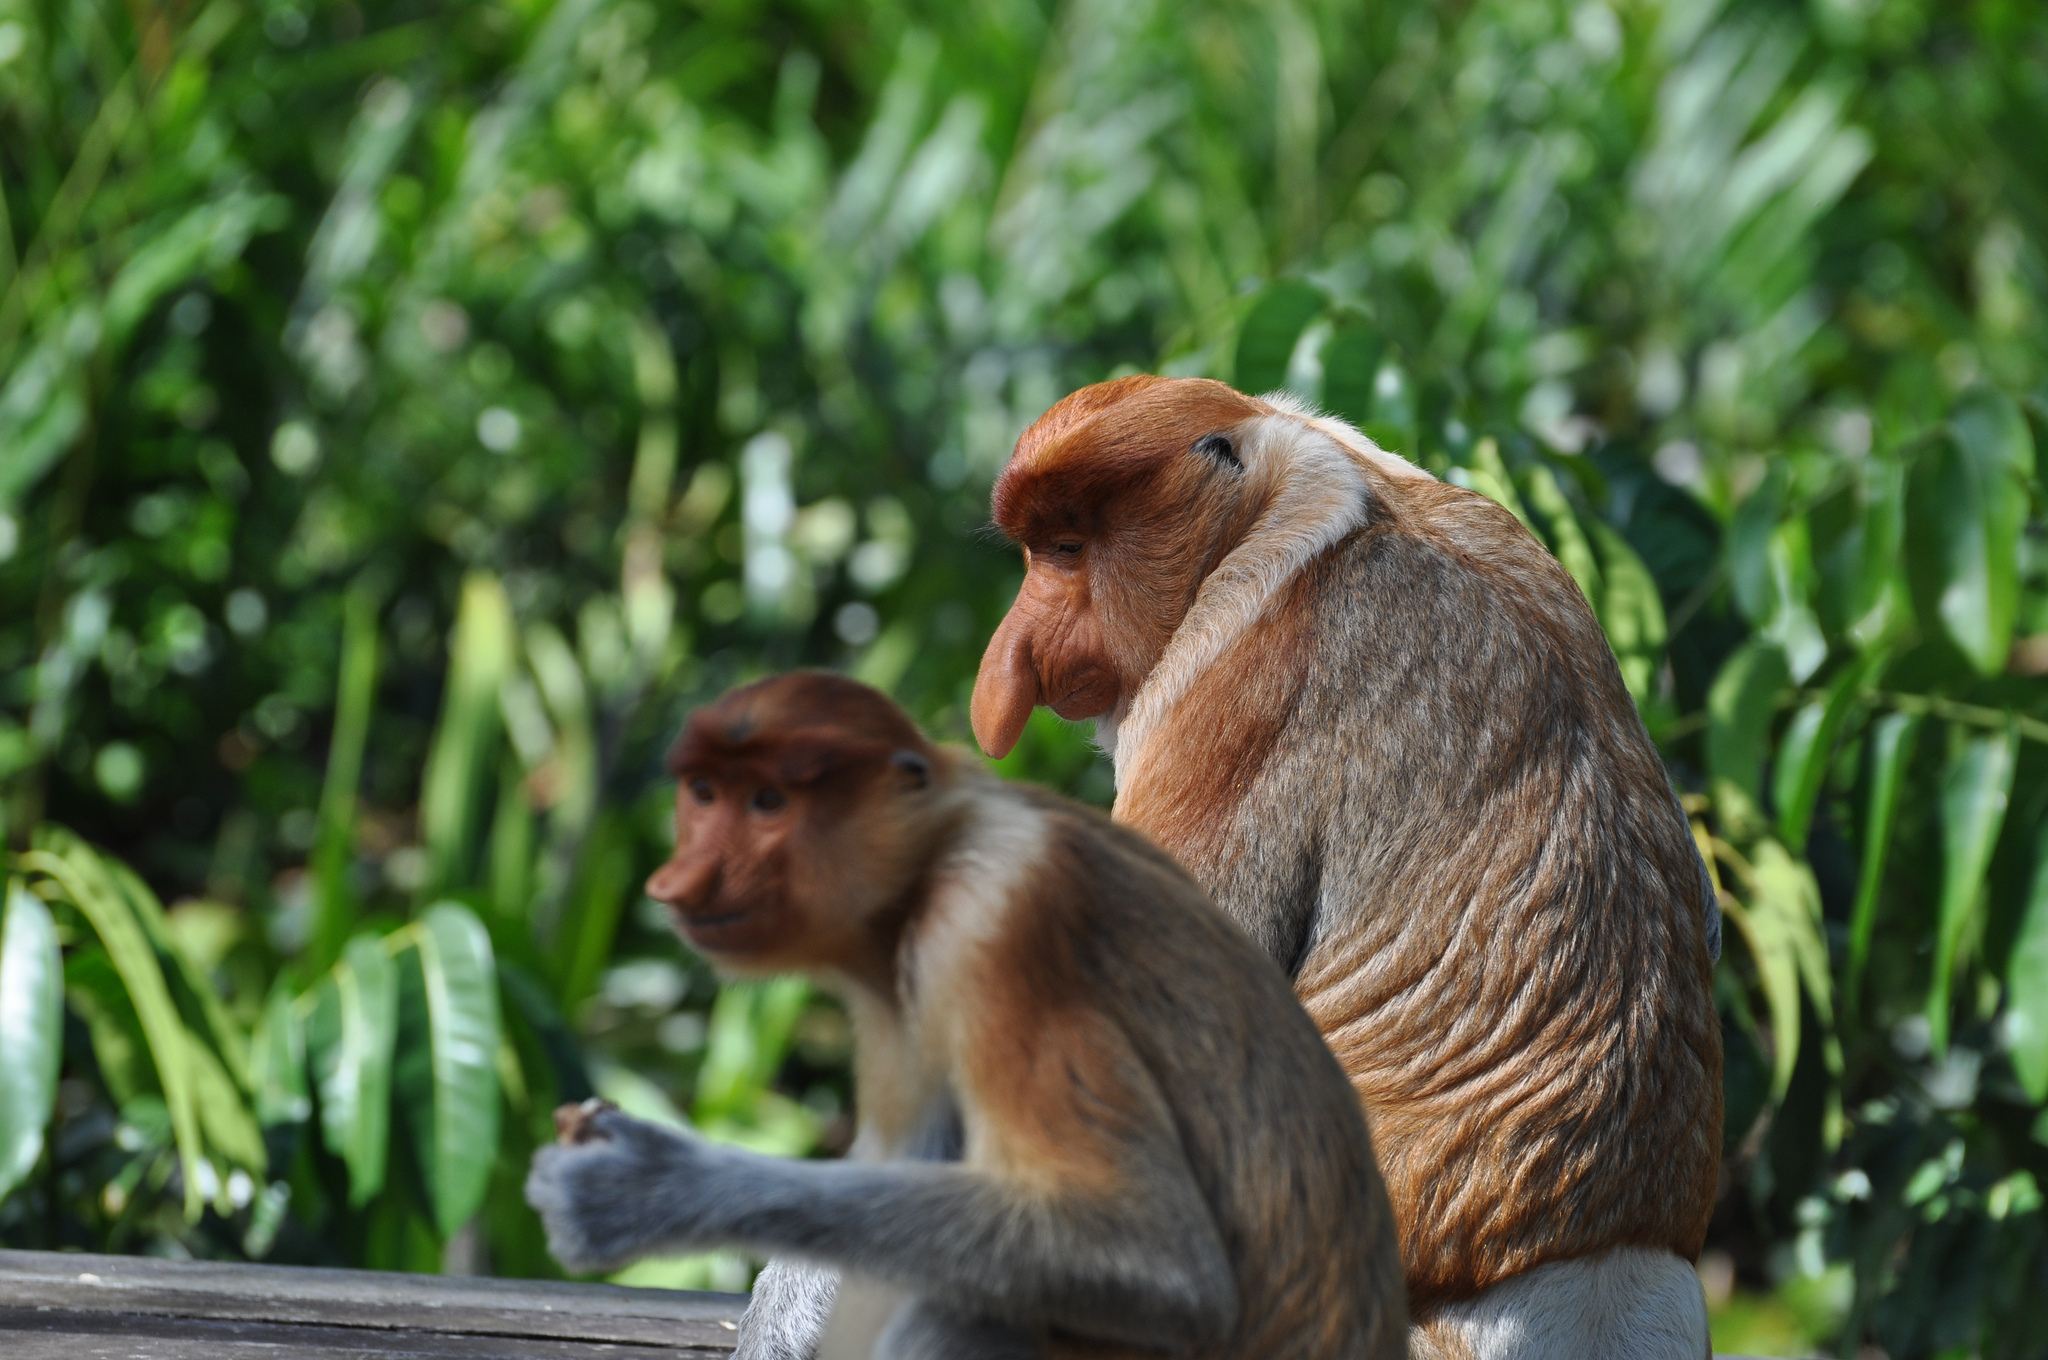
919 769
1218 447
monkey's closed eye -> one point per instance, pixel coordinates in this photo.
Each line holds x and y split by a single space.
1217 446
1071 548
701 790
920 769
768 800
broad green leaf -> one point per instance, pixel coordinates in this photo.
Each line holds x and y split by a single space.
1792 623
461 987
277 1060
1265 342
1566 540
1740 705
31 1030
1782 928
227 1037
1351 365
94 991
1882 600
532 1004
355 694
351 1037
1808 746
1974 790
1891 751
466 738
84 877
1968 502
2026 987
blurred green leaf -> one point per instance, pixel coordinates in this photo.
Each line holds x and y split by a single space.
1968 500
2026 980
278 1061
204 238
1975 787
355 692
1265 340
89 886
463 1036
31 1031
1891 751
351 1036
1740 707
1351 367
1567 542
450 793
1748 547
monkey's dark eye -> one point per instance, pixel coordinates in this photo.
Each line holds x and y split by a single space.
1068 550
918 767
1217 446
701 790
767 800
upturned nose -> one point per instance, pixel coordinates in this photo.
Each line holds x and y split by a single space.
685 881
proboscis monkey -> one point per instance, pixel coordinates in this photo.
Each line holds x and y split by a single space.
1093 1120
1380 724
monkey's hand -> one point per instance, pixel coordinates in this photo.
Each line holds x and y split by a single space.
614 1187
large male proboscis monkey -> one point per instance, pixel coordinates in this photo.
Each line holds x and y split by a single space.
1379 723
1093 1120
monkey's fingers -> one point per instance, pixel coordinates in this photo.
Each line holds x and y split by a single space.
577 1123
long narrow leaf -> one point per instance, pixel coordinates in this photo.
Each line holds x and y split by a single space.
277 1063
354 1029
355 692
1740 705
1782 927
1974 790
1967 504
451 793
1265 342
31 1031
462 1017
85 881
1808 747
2026 982
1891 751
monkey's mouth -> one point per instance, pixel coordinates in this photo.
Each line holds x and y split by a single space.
1091 696
713 924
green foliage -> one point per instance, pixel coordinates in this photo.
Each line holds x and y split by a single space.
406 415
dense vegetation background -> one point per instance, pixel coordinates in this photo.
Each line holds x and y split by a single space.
408 410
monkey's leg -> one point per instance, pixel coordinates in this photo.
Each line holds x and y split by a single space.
1147 1267
922 1330
787 1313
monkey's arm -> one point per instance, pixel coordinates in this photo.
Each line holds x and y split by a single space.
1146 1269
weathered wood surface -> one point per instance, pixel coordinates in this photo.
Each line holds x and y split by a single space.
60 1304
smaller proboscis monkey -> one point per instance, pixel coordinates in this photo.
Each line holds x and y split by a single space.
1093 1119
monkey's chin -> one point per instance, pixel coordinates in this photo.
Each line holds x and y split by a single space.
724 933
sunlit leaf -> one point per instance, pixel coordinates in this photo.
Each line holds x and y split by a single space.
2026 978
1630 610
461 988
1740 707
277 1058
1974 790
355 692
1807 748
1968 500
1564 538
1782 928
351 1036
1265 341
232 1137
207 236
1747 548
745 1044
86 882
31 1030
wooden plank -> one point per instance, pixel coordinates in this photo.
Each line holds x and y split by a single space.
52 1285
33 1334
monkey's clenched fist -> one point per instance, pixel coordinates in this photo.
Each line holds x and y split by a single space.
614 1187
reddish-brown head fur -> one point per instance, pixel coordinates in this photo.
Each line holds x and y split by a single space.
802 803
1122 504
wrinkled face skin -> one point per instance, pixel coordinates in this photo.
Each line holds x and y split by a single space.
804 808
1123 497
